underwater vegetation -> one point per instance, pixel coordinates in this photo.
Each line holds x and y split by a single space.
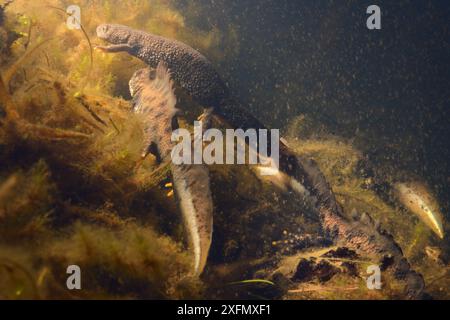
70 150
74 190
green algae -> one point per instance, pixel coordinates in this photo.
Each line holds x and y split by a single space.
73 189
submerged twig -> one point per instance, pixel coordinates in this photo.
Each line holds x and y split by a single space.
253 281
88 108
315 288
53 133
344 260
114 125
63 101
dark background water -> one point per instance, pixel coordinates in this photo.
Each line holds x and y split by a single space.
318 58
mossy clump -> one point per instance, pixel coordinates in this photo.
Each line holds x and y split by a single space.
73 188
26 202
129 262
70 52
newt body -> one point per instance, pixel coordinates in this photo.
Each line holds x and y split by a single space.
154 99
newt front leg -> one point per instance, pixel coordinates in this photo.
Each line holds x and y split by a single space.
115 48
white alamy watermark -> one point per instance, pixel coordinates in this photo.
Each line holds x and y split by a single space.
236 147
373 281
74 280
374 20
74 17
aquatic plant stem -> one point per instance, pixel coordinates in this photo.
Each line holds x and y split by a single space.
91 48
7 76
25 128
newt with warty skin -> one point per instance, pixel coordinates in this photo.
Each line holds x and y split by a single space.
196 75
154 99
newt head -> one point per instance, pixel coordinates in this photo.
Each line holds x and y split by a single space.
114 33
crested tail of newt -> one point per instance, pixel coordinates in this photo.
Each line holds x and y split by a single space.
154 99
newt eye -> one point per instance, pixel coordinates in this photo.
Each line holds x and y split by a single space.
103 29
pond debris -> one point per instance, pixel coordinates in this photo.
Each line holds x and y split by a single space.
253 281
416 197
